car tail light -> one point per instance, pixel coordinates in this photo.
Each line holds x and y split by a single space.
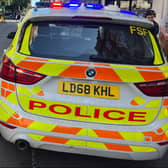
163 143
7 125
154 88
13 73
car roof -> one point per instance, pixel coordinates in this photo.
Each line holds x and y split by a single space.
105 15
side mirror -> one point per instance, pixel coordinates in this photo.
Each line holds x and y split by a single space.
11 35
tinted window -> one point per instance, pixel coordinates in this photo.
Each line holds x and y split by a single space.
90 42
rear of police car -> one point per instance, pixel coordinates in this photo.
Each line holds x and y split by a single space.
84 79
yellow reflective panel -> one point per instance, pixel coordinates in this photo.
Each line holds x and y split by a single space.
36 137
24 49
92 133
41 126
157 56
123 66
97 145
12 98
154 103
13 46
62 61
165 127
23 90
143 149
164 68
76 143
53 69
4 116
37 90
139 100
129 75
132 136
7 108
163 113
82 132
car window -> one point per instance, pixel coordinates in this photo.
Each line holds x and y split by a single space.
92 42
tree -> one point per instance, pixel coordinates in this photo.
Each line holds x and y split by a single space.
18 5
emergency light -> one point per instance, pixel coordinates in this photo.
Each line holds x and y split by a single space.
72 5
94 6
56 5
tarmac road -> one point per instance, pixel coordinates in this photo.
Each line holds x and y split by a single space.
10 157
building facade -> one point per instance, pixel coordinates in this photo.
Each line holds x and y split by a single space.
7 2
161 8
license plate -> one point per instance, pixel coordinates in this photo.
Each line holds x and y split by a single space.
87 89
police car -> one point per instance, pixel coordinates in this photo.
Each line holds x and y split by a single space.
87 79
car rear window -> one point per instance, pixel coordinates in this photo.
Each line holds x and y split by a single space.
91 42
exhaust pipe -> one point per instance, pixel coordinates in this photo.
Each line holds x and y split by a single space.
22 144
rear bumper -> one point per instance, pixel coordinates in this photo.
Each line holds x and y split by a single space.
106 140
85 145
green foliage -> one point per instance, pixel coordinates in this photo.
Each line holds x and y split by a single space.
19 4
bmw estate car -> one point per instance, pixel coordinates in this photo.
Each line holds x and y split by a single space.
86 79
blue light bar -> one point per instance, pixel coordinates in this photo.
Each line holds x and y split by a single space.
72 5
94 6
127 12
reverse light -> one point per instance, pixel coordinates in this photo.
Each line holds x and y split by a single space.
13 73
94 6
154 88
56 5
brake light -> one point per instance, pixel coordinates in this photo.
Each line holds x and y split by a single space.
56 5
13 73
154 88
7 69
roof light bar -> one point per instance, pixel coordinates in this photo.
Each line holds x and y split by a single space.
56 5
72 5
94 6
